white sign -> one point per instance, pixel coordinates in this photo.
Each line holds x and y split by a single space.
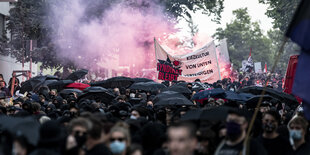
258 67
201 64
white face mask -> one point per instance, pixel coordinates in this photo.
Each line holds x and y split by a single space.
132 95
133 117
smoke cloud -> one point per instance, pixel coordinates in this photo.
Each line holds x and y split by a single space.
121 35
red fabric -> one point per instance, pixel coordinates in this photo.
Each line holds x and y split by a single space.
290 74
80 86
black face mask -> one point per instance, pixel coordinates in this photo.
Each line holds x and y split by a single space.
268 127
80 140
233 131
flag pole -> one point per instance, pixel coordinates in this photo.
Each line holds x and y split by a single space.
280 52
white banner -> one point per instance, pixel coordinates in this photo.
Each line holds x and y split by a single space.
223 51
201 64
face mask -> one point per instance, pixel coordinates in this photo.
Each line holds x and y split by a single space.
295 134
132 95
269 128
233 131
80 140
117 147
133 117
149 107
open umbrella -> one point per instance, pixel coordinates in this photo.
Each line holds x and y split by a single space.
233 96
142 80
26 127
115 82
98 94
59 85
30 84
77 75
80 86
252 102
211 114
147 86
171 98
65 92
217 92
178 88
283 97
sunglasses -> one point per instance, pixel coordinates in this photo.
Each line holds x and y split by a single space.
117 139
79 133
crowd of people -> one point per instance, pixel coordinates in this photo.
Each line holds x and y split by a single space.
132 124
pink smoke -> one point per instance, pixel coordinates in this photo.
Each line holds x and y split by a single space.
122 38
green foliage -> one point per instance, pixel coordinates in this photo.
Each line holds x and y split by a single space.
281 11
242 35
179 8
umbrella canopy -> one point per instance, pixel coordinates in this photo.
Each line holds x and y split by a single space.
252 102
27 127
233 96
30 84
115 82
283 97
59 85
65 92
217 92
171 98
77 75
80 86
147 86
136 80
179 89
97 94
211 114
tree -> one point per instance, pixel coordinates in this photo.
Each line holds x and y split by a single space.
282 12
243 35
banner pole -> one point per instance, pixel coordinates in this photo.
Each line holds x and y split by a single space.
217 62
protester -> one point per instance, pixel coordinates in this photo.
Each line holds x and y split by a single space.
236 125
119 139
273 142
182 139
298 128
122 121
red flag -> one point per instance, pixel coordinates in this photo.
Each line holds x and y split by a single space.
265 68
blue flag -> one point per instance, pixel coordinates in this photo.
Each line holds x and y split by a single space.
299 32
301 86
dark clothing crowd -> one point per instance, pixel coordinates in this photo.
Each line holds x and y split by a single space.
124 116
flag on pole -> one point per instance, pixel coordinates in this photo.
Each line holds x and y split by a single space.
299 32
265 69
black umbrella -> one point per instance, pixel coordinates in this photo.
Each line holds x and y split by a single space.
233 96
115 82
147 86
283 97
211 114
97 93
252 102
171 98
142 80
77 75
44 84
179 89
30 84
27 127
217 92
65 92
59 85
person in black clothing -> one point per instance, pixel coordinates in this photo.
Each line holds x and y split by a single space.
273 142
236 125
94 144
